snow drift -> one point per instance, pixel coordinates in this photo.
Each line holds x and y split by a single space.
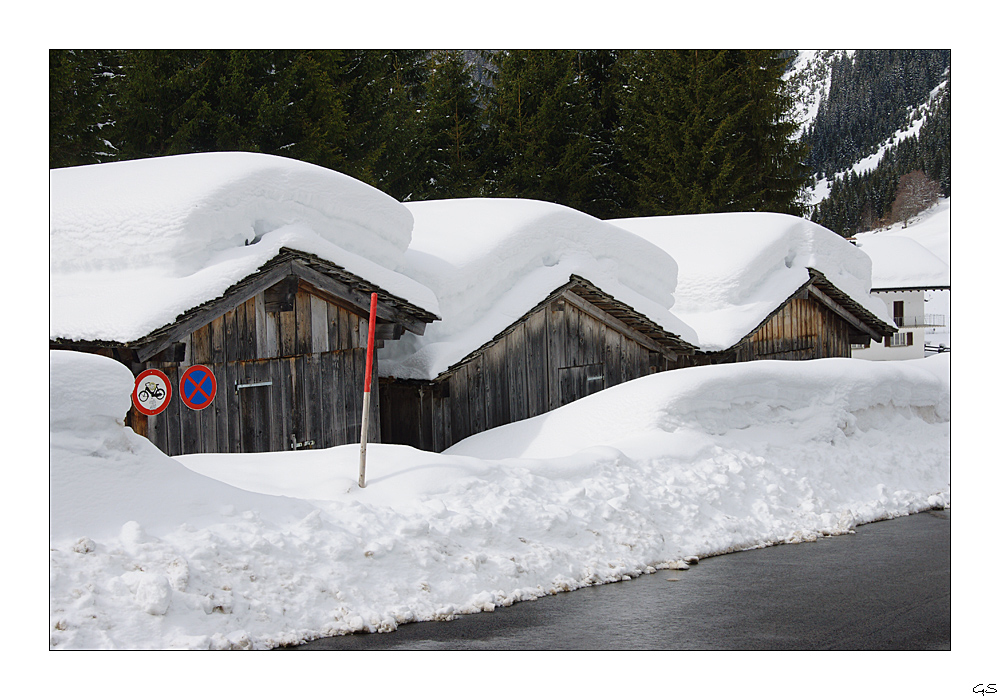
253 551
735 269
899 262
930 228
136 243
102 475
490 261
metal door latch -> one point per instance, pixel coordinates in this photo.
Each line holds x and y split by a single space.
253 384
297 445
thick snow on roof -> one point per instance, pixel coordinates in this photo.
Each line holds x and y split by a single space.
899 262
735 269
134 244
489 261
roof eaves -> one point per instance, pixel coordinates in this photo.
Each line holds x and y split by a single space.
287 263
917 288
866 317
669 342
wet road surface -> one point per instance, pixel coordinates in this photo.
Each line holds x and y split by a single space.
886 587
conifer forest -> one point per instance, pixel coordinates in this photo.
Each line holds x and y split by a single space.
612 133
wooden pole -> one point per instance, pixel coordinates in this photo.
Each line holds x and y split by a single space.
368 389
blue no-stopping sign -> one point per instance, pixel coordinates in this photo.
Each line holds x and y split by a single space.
198 387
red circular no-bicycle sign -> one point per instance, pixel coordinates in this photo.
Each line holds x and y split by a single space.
152 392
197 387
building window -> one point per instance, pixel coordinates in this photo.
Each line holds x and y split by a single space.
899 340
897 313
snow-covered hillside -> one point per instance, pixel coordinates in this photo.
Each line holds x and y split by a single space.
253 551
809 78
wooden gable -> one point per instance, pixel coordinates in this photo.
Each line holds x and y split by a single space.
287 346
817 321
574 343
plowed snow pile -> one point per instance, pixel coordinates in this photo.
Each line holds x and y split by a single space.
254 551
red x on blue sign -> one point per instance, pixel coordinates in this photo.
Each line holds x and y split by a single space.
198 387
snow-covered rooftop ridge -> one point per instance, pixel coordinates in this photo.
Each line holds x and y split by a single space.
900 262
178 210
735 269
135 244
490 261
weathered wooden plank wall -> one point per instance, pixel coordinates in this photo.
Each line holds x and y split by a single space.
556 355
308 359
802 329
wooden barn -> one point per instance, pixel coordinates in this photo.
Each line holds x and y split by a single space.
760 286
818 321
231 272
287 347
575 342
540 305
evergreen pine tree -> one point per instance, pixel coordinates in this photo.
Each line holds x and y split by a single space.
777 160
541 124
450 131
278 102
162 108
601 72
708 131
81 106
381 93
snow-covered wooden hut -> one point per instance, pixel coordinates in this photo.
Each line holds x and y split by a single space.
540 305
762 286
257 267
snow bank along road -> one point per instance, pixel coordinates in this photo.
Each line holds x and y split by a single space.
887 587
256 551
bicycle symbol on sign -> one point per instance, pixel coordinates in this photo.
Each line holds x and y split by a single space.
152 391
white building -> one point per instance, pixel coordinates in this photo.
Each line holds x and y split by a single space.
903 271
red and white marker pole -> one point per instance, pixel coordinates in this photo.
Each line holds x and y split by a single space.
368 389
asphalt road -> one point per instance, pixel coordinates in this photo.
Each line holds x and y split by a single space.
886 587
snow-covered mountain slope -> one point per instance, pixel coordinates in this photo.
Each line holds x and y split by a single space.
810 77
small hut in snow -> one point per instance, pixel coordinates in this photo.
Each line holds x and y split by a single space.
761 286
260 268
540 304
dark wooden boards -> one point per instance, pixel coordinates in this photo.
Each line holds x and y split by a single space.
558 353
283 370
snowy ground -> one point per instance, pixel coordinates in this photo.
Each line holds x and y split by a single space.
254 551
